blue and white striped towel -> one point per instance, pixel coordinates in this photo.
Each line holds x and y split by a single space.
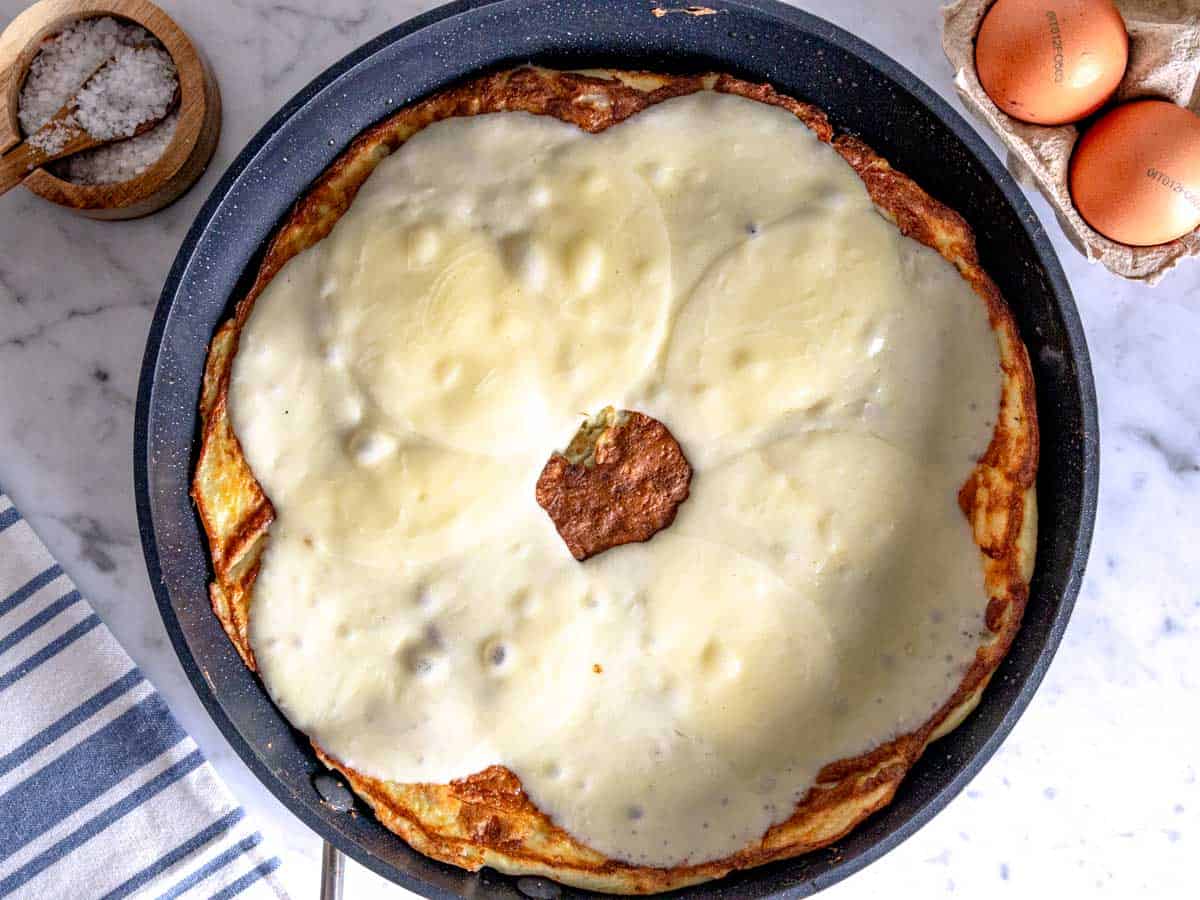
102 794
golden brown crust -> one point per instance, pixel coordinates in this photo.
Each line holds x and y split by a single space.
629 488
486 819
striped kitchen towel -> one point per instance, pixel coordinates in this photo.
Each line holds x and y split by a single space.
102 794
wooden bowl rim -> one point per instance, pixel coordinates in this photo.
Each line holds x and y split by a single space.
49 16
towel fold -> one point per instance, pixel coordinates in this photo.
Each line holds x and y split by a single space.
102 794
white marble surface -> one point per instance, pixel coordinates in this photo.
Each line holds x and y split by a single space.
1095 793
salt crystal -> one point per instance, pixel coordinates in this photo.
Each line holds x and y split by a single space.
54 137
138 85
122 160
65 61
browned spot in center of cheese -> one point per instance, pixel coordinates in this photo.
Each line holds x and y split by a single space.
619 481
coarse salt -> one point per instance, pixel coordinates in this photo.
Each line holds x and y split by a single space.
137 85
122 160
54 137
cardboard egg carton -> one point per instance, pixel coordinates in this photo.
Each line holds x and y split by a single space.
1164 62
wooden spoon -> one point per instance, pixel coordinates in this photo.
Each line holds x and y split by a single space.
71 138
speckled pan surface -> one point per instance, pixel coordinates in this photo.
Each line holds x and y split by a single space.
865 93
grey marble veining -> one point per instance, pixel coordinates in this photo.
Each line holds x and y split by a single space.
1094 794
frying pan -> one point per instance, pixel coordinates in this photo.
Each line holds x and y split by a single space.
864 92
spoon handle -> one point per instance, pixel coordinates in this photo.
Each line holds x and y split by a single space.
17 163
332 864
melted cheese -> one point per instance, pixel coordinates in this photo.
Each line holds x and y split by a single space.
401 384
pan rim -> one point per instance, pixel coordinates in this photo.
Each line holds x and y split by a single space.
788 17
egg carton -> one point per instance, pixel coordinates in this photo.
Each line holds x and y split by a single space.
1164 62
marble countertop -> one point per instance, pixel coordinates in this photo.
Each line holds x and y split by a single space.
1094 794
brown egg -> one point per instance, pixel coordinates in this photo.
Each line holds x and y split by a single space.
1135 175
1051 61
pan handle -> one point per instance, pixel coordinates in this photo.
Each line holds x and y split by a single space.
332 866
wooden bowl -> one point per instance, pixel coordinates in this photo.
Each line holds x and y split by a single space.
196 133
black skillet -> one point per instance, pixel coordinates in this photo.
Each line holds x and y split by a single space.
864 92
